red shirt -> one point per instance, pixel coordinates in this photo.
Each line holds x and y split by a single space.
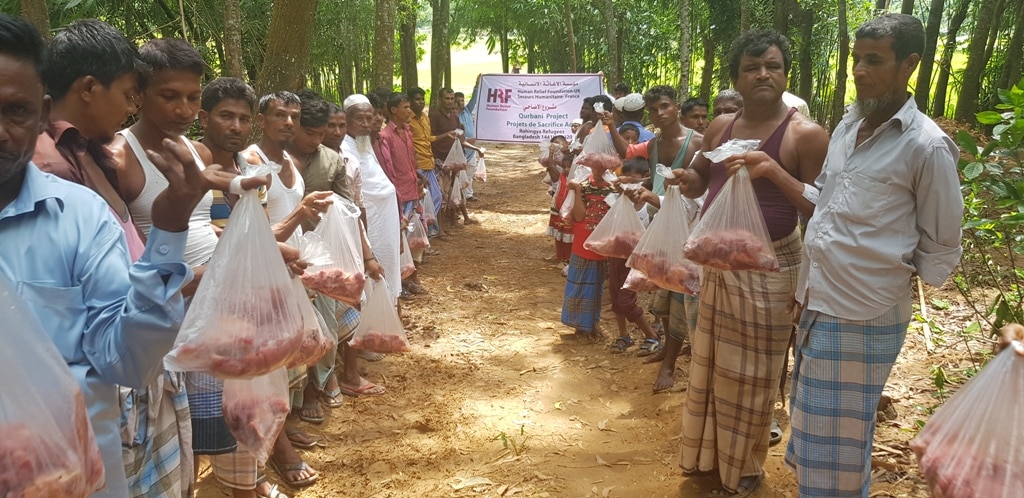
595 209
396 144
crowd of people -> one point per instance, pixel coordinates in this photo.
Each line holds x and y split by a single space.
850 220
108 232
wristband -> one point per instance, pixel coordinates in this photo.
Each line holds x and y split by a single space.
811 194
236 186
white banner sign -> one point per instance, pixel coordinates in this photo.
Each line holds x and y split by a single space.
531 107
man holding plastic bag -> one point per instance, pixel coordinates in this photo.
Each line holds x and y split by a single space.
889 207
744 326
111 321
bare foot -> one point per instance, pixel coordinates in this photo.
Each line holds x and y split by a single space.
656 357
665 380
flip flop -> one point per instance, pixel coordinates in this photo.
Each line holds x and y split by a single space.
306 445
283 468
274 493
775 433
746 486
312 420
332 399
369 355
362 390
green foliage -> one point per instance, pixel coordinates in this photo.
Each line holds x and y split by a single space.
517 444
993 190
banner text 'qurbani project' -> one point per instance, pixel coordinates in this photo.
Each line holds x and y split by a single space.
531 107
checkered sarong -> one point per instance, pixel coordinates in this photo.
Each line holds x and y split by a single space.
840 371
584 289
738 350
156 438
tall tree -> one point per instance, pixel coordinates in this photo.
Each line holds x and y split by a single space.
614 74
288 44
780 15
970 89
931 39
684 48
1014 51
233 39
407 43
805 60
839 97
907 7
440 48
383 74
572 38
744 15
945 63
37 14
707 72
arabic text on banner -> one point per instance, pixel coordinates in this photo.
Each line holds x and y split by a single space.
531 107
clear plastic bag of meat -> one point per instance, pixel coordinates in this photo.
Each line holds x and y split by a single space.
481 171
462 180
455 195
343 278
379 330
732 234
417 233
245 319
636 281
618 232
406 264
971 446
48 448
456 159
315 341
577 174
255 410
428 208
550 154
598 150
659 253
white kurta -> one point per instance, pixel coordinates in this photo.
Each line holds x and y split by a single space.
382 219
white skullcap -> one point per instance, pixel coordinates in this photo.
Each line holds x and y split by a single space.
578 121
630 103
356 99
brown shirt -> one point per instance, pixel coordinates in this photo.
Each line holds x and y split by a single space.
442 122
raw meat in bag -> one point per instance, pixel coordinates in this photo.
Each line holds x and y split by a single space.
577 174
481 171
343 279
659 253
315 341
618 232
406 264
598 150
255 410
971 446
379 330
732 234
636 281
48 448
428 208
456 159
417 233
245 319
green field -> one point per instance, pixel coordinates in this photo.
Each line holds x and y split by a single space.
466 65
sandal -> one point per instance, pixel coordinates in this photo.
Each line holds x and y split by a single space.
274 492
282 470
332 399
309 410
649 347
300 439
621 344
775 434
747 485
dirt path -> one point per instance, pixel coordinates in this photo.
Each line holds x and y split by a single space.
492 401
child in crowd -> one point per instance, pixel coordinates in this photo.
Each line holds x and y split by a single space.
557 165
584 289
624 300
630 133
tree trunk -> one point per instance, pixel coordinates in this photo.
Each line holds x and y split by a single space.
571 41
993 32
744 15
505 63
881 5
614 74
233 39
684 49
970 89
931 39
439 46
288 43
942 84
708 71
1014 52
384 45
907 7
805 62
839 97
37 14
407 44
780 16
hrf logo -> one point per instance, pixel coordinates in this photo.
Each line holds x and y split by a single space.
502 95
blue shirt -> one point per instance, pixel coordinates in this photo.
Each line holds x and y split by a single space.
466 118
645 134
112 321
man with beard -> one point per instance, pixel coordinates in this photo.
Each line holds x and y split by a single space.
112 321
422 138
675 146
889 207
745 322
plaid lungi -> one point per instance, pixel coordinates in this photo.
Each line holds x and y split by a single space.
584 289
339 320
210 433
840 371
156 438
738 350
681 311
